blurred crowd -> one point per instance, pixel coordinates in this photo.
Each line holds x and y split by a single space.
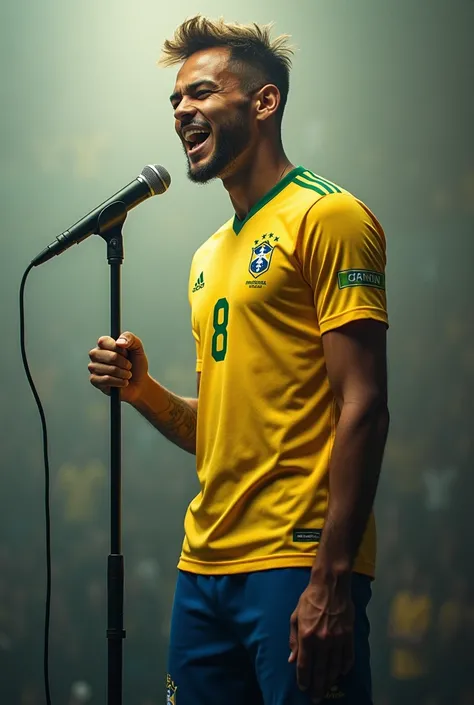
383 107
80 546
422 611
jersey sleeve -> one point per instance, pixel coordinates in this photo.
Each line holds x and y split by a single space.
197 340
342 253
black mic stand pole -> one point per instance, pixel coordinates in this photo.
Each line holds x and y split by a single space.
110 224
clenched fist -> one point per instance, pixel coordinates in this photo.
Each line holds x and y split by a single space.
121 363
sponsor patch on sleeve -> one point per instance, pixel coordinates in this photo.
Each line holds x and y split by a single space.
360 277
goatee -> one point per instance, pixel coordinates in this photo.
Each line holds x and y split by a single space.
230 140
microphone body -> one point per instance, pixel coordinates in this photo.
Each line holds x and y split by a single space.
152 181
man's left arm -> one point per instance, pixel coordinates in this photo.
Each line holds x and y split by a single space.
342 255
322 624
355 358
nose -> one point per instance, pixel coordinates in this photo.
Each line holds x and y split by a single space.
184 110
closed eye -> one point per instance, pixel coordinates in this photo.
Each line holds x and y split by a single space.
194 92
197 94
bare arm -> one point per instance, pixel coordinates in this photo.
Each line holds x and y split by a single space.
321 632
356 363
124 364
174 416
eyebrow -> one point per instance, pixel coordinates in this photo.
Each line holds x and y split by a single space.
192 87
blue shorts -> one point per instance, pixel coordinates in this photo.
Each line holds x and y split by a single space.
229 641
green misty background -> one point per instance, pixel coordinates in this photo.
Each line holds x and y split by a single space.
381 102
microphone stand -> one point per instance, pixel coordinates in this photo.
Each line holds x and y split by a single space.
110 223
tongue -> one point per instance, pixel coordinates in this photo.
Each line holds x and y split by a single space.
202 137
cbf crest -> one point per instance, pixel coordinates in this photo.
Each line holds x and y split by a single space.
261 256
170 691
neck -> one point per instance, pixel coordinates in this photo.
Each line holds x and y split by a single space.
247 185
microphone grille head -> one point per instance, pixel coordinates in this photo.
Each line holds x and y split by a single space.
157 178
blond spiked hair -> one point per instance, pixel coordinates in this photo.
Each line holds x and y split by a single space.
257 57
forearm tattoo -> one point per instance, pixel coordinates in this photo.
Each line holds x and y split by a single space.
177 422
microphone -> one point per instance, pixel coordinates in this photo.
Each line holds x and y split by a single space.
153 180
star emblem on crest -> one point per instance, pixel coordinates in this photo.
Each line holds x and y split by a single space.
267 236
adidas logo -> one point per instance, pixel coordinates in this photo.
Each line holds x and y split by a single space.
199 283
334 693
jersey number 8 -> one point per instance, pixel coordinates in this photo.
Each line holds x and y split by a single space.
219 339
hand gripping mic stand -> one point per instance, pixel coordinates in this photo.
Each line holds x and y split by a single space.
110 223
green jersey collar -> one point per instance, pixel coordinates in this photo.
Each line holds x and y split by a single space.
239 224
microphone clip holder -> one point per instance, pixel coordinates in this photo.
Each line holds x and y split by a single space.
109 227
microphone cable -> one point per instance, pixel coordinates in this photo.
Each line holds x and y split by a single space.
46 486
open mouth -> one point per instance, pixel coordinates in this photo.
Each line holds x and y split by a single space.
196 140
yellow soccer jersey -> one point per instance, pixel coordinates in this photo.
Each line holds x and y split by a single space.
308 258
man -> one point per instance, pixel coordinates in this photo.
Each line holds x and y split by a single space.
290 420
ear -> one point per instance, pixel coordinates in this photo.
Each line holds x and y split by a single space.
267 101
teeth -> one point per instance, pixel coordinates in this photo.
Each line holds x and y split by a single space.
190 133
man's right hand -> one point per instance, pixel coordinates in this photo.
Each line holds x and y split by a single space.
121 363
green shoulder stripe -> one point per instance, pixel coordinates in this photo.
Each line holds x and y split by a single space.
319 182
332 188
299 181
316 183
